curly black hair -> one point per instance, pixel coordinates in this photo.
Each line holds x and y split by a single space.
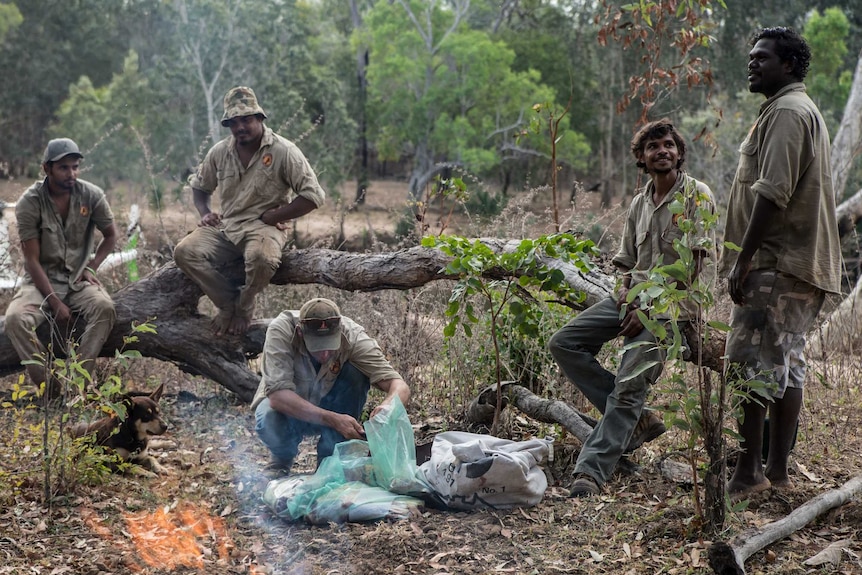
653 131
790 46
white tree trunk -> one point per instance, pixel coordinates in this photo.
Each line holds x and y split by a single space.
846 145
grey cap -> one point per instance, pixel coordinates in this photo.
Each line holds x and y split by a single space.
60 148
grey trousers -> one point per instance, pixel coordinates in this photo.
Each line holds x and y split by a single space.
574 348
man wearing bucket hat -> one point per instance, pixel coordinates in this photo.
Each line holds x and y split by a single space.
317 368
56 220
264 181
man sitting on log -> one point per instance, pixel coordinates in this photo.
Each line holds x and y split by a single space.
264 181
647 241
317 368
57 219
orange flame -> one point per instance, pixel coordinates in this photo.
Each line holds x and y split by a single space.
172 538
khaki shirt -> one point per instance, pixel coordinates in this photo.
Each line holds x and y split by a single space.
287 364
275 175
651 229
785 158
65 248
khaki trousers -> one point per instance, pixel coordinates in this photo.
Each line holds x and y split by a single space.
201 253
28 310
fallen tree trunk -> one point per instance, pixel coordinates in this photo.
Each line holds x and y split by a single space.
167 298
729 558
481 411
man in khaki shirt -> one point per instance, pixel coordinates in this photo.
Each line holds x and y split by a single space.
317 368
264 181
781 212
56 220
648 240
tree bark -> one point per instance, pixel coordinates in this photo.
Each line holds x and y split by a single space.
845 146
169 299
729 558
481 411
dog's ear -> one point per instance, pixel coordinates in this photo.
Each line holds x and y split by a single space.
157 394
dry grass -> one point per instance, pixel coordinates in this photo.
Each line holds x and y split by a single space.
207 517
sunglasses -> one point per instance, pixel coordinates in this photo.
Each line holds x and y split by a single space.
325 324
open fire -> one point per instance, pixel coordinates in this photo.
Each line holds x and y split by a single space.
173 537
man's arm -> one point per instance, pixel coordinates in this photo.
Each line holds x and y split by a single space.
393 387
291 404
105 247
202 200
278 216
762 217
32 251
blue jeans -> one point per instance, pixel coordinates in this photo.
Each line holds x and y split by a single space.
282 434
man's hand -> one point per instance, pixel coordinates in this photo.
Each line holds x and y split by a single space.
736 280
621 300
631 325
271 218
62 313
210 219
89 277
347 426
382 407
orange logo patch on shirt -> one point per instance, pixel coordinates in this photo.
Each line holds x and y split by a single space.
335 367
85 211
267 160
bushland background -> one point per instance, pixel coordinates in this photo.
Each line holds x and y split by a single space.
384 97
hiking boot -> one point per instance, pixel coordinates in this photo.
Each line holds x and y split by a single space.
584 486
278 468
649 426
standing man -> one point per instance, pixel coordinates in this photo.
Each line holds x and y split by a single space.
648 238
57 219
317 368
781 212
264 181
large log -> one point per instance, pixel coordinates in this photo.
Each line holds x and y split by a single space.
170 300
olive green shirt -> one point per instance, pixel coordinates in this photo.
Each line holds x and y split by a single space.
785 158
286 363
65 248
651 229
275 175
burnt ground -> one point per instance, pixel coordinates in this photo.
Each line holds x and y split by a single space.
207 515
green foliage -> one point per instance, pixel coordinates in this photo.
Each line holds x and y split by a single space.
694 404
45 446
440 90
500 290
828 81
10 17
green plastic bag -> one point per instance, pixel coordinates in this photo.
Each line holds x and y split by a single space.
360 481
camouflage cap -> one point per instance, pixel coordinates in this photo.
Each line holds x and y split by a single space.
59 148
240 101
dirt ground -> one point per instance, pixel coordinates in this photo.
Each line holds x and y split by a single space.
207 515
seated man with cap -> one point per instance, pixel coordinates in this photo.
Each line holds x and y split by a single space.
263 181
57 218
317 368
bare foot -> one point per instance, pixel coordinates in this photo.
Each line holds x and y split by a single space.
737 491
239 325
221 323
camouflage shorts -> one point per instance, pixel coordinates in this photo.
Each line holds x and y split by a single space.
768 337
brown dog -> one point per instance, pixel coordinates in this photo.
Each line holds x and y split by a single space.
130 438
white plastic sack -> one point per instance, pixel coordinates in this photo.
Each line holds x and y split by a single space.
470 471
